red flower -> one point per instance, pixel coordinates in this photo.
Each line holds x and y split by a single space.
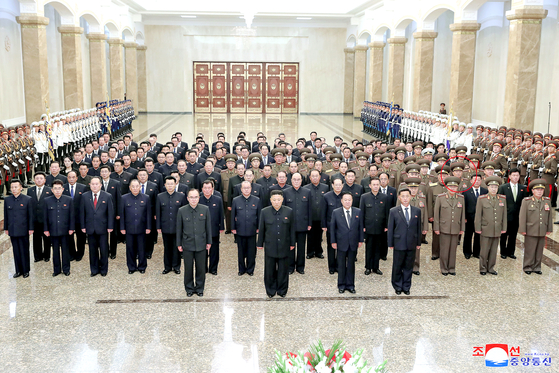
346 356
309 357
289 356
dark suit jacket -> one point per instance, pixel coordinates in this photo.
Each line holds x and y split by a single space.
375 211
18 215
114 189
166 169
38 206
97 220
347 238
400 235
470 202
392 194
300 202
245 213
166 211
158 179
135 213
513 208
331 202
51 178
152 191
124 178
202 176
276 242
215 205
270 160
59 215
79 190
194 233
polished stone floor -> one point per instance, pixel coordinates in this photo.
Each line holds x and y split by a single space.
145 323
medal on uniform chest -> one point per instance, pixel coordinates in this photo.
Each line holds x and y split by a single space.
459 204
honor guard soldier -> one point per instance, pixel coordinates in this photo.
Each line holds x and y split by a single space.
537 158
449 223
499 158
490 223
549 173
536 221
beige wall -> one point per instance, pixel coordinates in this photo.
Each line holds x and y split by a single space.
54 55
548 78
11 74
442 61
172 49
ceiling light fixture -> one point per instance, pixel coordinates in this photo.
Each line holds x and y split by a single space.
188 16
304 18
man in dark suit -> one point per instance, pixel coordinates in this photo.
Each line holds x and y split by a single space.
54 174
346 234
276 233
181 188
122 176
298 199
514 193
18 225
193 167
314 237
375 209
38 193
59 225
169 165
135 222
113 187
266 182
97 216
404 236
256 189
245 212
152 191
207 172
153 175
332 201
215 205
76 191
194 239
392 195
233 181
166 210
470 202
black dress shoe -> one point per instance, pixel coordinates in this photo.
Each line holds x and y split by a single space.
452 273
148 256
483 273
241 273
270 296
291 272
476 256
310 256
407 292
512 256
200 293
352 291
113 257
78 259
341 291
320 256
93 274
189 293
55 274
165 271
301 272
383 258
46 260
332 272
424 242
398 292
178 271
378 272
434 257
37 260
556 222
26 274
103 274
282 295
416 273
142 271
214 273
16 275
367 272
251 274
66 273
494 273
227 232
467 256
528 272
538 272
445 274
503 256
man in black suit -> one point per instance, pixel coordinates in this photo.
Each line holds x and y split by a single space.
404 237
515 193
237 179
38 193
152 191
169 165
314 238
375 209
54 174
470 201
181 188
193 167
346 235
332 201
18 225
276 234
298 199
135 223
177 148
122 176
267 159
392 195
76 191
97 220
194 239
207 172
245 212
215 205
182 144
59 225
153 175
127 166
114 188
266 182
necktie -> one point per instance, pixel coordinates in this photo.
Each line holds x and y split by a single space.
383 190
407 215
95 201
143 189
514 192
39 191
477 193
72 191
105 185
348 217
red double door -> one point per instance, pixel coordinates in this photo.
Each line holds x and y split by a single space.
238 87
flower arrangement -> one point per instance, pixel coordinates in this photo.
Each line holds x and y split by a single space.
319 360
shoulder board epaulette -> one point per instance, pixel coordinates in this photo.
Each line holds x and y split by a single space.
502 195
501 154
433 184
460 195
421 196
547 198
442 194
525 198
484 196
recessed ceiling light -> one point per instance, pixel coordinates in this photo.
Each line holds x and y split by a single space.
188 16
304 18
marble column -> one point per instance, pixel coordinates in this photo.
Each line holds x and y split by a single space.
97 67
396 60
72 65
376 61
348 80
35 65
131 72
359 78
522 67
142 102
423 70
116 70
462 69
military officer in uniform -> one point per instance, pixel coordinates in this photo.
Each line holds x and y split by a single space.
490 223
276 234
549 172
436 189
18 225
536 221
228 173
59 225
449 223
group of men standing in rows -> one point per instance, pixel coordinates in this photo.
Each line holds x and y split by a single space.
281 198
